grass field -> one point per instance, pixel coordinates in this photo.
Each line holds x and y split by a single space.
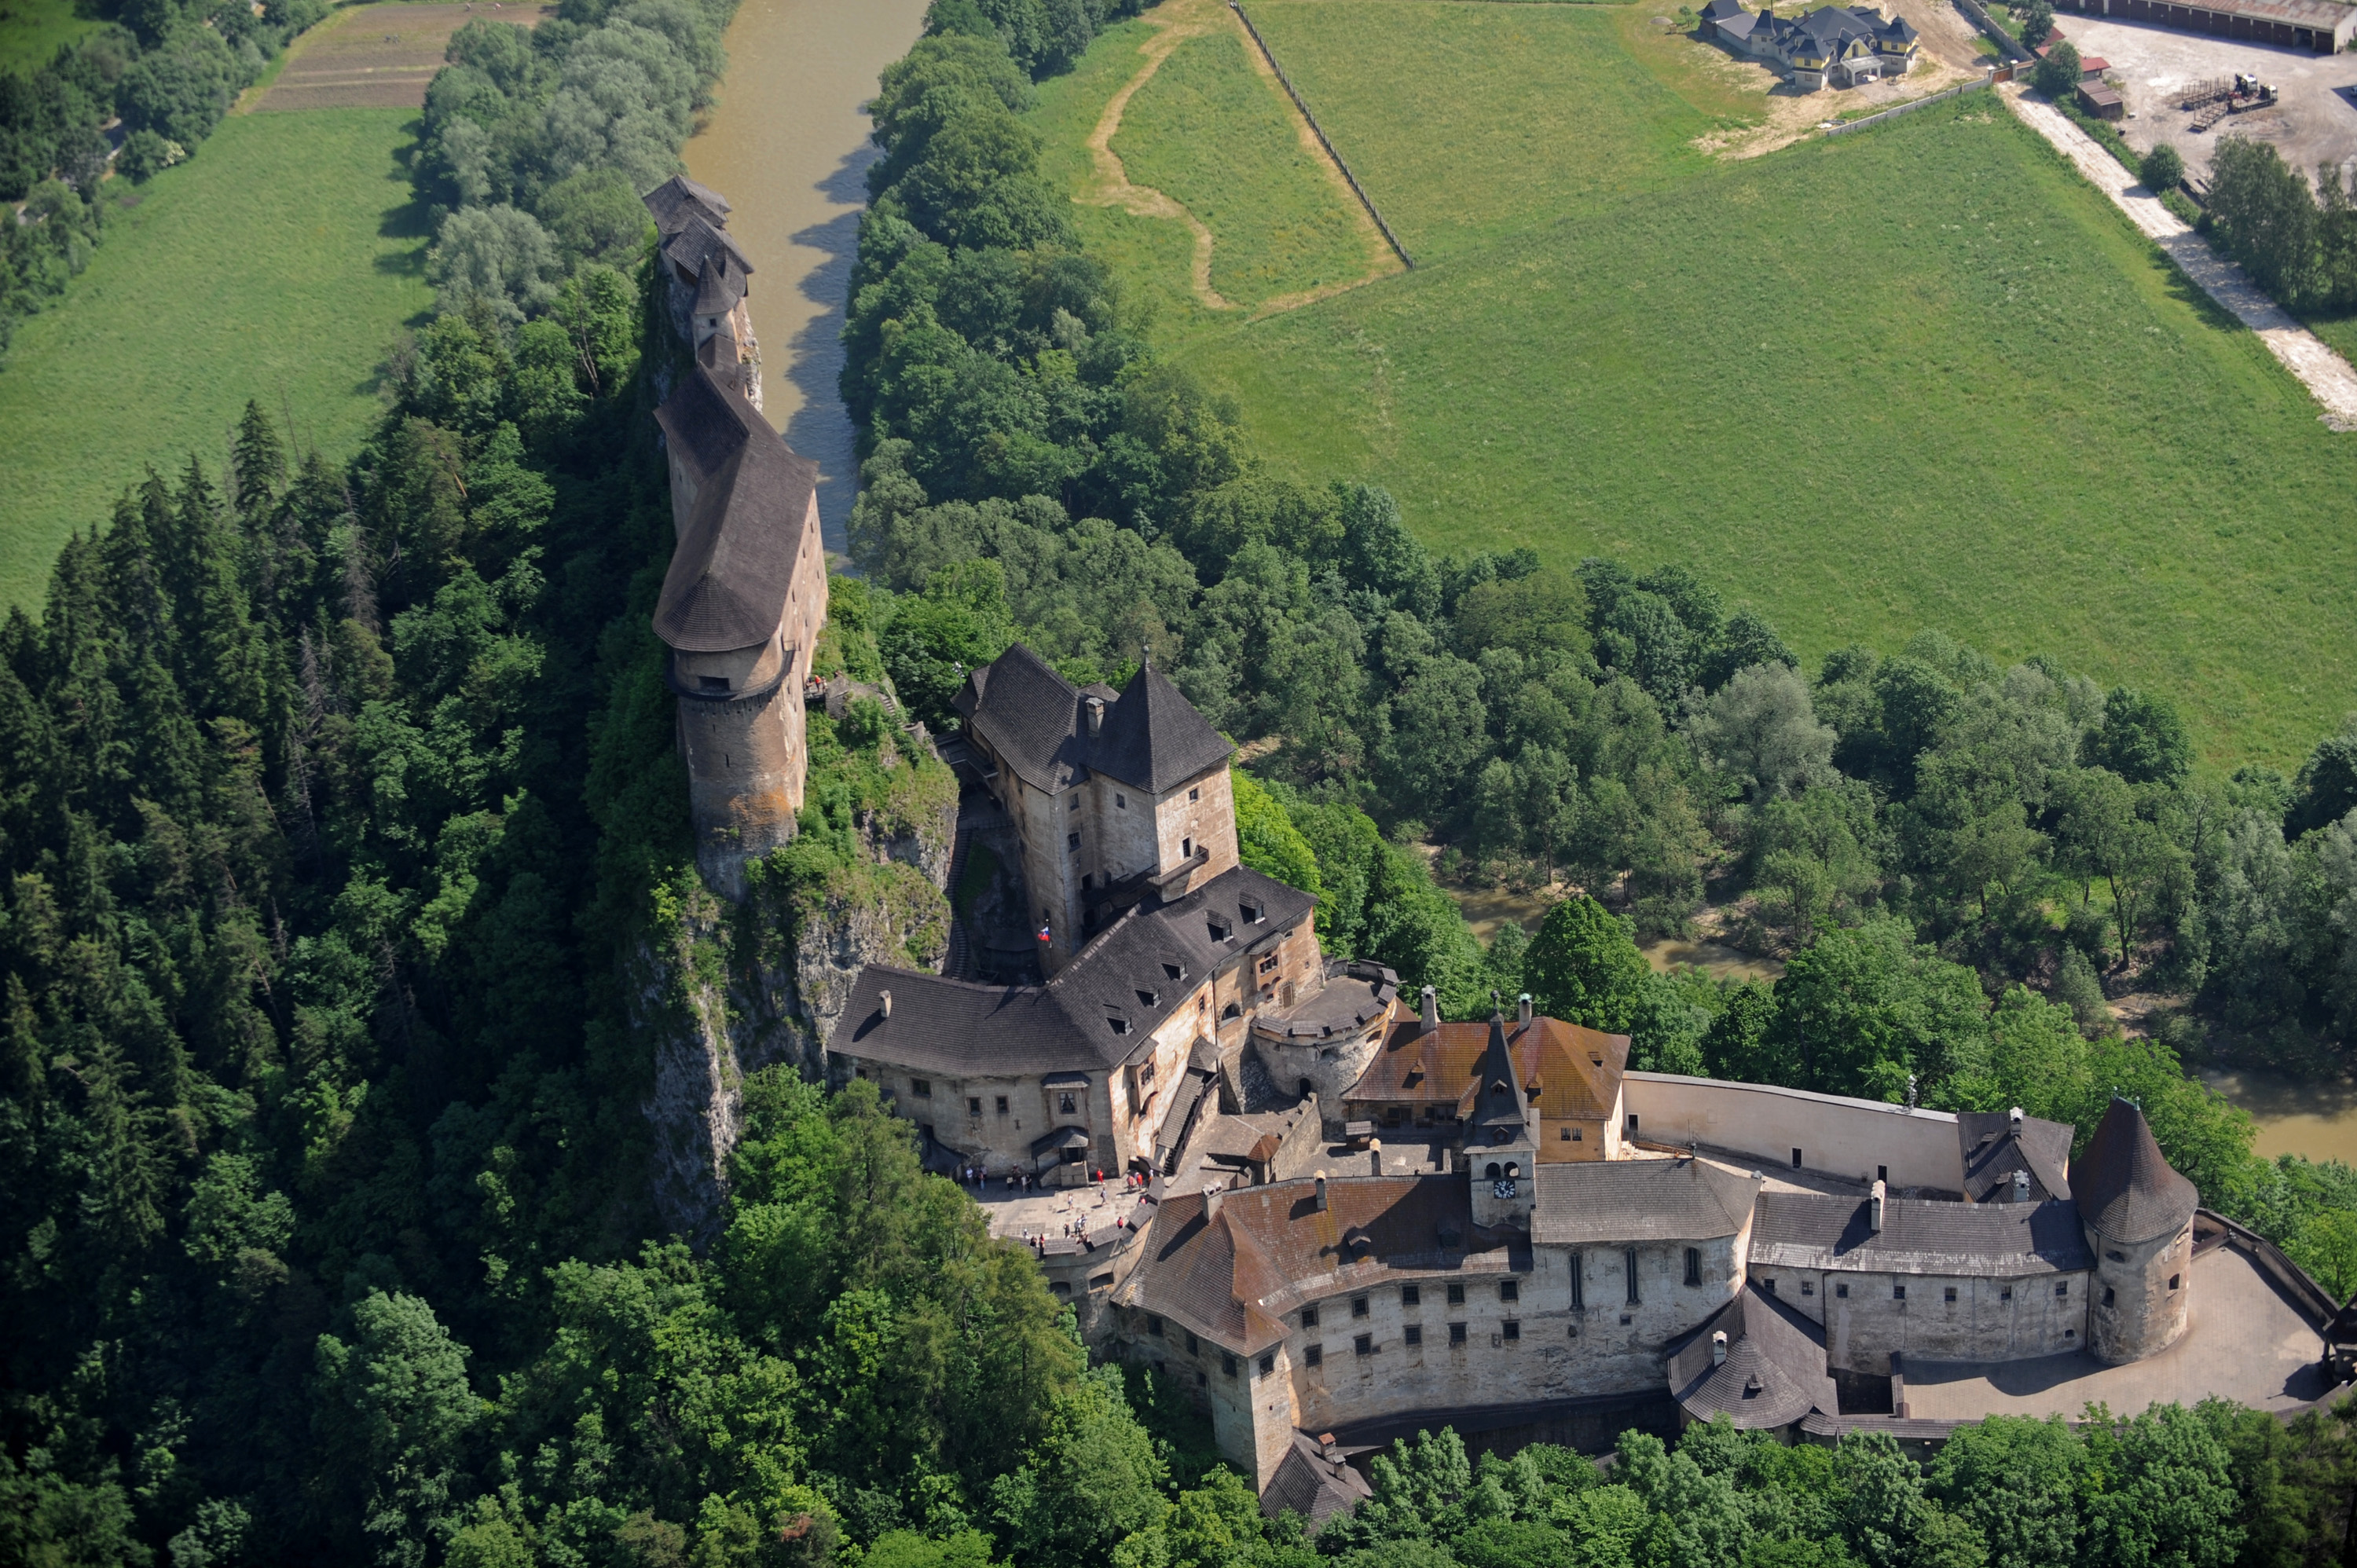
278 263
32 30
1922 376
1207 131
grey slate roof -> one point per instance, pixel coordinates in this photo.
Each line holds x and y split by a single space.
1313 1486
961 1030
1775 1369
1498 1103
1993 1152
1597 1201
1919 1236
676 199
1721 10
698 244
2126 1189
734 564
1037 723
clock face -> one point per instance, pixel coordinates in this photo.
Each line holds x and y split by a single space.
1502 1188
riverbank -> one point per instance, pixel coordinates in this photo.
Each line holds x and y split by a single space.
788 146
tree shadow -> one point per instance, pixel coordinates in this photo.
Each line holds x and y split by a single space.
821 428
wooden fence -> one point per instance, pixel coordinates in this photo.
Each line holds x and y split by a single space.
1319 132
1955 92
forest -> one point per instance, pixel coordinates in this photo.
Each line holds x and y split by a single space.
336 803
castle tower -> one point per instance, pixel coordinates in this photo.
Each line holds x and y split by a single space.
746 595
1501 1141
2138 1216
1118 797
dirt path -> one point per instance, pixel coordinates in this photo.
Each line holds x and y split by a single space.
1174 23
2325 373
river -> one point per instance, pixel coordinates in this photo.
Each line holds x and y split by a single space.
788 146
2296 1115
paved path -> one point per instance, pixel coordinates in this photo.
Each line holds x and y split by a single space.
2325 373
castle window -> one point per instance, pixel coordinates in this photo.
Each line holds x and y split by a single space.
1088 884
1628 1267
1308 1317
1510 1290
1579 1285
1254 914
1494 1172
2063 1290
1457 1334
1120 800
1268 965
1882 1173
1075 805
1193 796
1414 1334
1952 1293
1413 1295
2109 1296
974 1105
1455 1294
1694 1266
1227 1364
1513 1331
1072 842
1186 849
1120 1025
921 1087
1175 972
1068 1103
1219 927
1314 1356
1564 1135
1898 1293
1796 1159
1153 1325
1268 1364
2005 1293
2115 1257
1364 1345
1002 1105
1194 1346
2172 1282
712 682
1768 1285
1808 1287
1632 1126
1842 1290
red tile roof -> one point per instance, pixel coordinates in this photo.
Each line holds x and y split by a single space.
1570 1073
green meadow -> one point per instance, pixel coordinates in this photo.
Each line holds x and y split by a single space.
279 263
1922 376
32 31
1208 131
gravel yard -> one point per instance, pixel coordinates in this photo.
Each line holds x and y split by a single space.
2315 121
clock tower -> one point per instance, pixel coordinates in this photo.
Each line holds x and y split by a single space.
1501 1141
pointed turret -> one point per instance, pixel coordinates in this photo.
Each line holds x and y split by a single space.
2138 1216
2126 1190
1502 1144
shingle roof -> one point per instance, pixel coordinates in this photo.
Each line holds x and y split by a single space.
1828 1231
720 286
1570 1072
2126 1190
960 1029
676 199
734 564
699 244
1993 1152
1775 1369
1270 1248
1038 722
1313 1486
1679 1199
1719 10
1498 1105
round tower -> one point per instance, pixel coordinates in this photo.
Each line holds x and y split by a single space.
2138 1217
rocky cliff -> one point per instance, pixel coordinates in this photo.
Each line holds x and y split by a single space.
726 989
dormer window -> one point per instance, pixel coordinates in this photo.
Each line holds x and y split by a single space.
1219 927
1252 913
1145 998
1175 971
1120 1025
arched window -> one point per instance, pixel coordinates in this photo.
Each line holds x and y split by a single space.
1493 1172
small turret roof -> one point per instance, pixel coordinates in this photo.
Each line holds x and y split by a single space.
676 199
734 564
1499 1104
2126 1190
1151 736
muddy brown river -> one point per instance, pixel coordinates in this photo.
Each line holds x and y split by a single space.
788 146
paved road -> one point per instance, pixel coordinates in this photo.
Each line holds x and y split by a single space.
2325 373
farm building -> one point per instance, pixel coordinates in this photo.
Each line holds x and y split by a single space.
2316 24
1834 46
2103 103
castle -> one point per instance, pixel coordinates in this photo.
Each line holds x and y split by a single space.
1346 1219
746 595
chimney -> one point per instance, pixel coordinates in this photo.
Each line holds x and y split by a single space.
1327 1447
1376 1146
1096 716
1522 1007
1431 1015
884 1004
1212 1201
1874 1205
1322 1192
2014 1118
2021 1187
1718 1349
